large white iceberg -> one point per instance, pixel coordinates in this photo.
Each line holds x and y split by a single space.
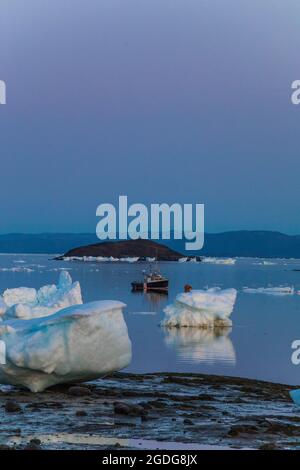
26 303
79 343
208 308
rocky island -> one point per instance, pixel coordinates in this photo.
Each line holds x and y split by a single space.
140 248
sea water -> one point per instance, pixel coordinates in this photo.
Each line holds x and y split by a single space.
264 325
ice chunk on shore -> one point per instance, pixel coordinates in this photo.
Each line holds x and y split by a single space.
201 308
79 343
28 303
270 290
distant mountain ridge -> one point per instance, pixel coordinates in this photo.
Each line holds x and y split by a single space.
256 243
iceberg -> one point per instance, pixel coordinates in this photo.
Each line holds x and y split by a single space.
208 308
270 290
78 343
26 303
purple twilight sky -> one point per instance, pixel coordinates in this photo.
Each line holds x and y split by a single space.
161 100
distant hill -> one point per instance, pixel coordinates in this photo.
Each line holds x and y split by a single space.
237 243
127 248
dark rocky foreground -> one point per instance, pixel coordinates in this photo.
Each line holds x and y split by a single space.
162 411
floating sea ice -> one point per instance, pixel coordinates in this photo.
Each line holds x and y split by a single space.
150 260
193 260
201 308
19 269
182 260
270 290
212 260
26 303
268 263
78 343
130 259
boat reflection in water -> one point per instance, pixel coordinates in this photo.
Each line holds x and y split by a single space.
202 345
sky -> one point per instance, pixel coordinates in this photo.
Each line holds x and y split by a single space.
185 101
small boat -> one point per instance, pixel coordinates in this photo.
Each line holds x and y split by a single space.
152 282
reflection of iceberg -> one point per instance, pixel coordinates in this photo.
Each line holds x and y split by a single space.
201 345
82 342
25 302
270 290
218 260
201 308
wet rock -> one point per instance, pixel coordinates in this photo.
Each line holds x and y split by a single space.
137 410
5 447
129 409
81 413
206 397
33 444
269 446
78 391
121 408
238 429
188 422
11 406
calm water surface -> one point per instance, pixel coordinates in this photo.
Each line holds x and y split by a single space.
258 345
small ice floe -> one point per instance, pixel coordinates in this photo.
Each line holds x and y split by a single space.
268 263
150 260
19 269
201 345
25 302
130 259
193 260
78 343
212 260
182 260
208 308
270 290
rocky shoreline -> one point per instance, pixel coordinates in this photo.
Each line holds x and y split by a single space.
183 411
